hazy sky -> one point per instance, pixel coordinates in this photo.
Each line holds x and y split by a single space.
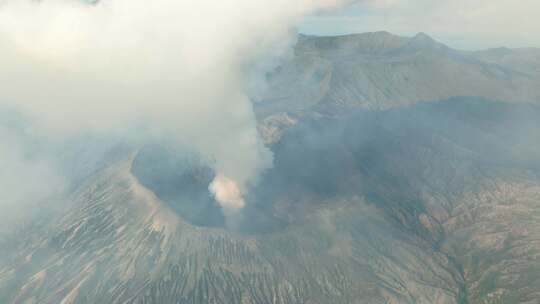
468 24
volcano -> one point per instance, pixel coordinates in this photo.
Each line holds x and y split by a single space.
394 181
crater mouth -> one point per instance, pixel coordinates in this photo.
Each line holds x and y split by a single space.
181 180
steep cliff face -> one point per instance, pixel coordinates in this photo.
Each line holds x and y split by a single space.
392 201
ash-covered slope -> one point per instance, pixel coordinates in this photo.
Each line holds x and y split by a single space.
434 202
119 243
437 203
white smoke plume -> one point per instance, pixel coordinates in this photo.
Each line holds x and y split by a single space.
176 66
228 193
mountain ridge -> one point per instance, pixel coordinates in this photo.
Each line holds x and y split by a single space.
380 71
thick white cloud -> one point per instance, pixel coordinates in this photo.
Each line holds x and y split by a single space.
461 23
176 66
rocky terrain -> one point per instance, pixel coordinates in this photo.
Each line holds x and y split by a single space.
404 172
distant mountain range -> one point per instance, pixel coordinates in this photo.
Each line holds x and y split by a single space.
404 172
380 71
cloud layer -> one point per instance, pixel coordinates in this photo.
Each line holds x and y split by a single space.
176 68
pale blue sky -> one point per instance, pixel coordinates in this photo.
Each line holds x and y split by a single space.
465 24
